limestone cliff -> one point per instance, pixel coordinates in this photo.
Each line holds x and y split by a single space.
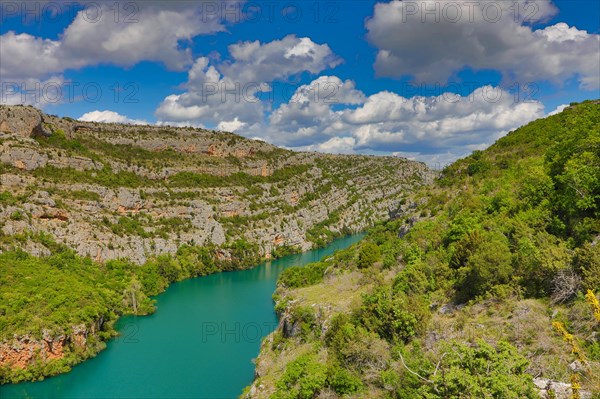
119 191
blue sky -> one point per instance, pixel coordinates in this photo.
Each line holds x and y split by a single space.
430 80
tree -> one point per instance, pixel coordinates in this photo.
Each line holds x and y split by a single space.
488 265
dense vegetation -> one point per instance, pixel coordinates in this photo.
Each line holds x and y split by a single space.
509 231
64 290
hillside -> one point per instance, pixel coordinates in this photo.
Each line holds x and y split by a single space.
492 294
96 218
115 191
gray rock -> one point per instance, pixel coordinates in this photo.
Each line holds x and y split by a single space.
42 198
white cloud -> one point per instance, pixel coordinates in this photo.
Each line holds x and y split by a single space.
328 90
436 124
335 145
173 109
435 161
212 98
110 117
217 92
152 31
480 35
265 62
191 124
437 129
558 109
31 91
25 56
231 126
309 115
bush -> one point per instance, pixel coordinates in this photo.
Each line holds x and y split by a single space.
483 371
353 346
17 215
305 317
369 254
395 317
128 226
488 263
303 276
6 198
411 280
303 379
342 381
587 262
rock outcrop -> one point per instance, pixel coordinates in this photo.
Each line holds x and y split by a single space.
119 191
23 121
20 352
549 389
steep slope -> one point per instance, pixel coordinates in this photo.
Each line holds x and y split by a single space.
95 218
495 285
118 191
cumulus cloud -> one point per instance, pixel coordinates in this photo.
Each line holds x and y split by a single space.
151 31
435 161
231 126
224 91
110 117
309 115
211 98
26 56
440 123
31 91
279 59
431 40
434 129
335 145
558 109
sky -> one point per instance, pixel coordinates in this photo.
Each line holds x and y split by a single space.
427 80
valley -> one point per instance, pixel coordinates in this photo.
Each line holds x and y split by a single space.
134 208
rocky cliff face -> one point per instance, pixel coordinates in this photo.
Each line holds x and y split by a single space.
22 351
117 191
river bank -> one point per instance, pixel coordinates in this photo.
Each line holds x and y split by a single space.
198 344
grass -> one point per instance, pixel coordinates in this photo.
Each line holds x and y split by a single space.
338 293
526 323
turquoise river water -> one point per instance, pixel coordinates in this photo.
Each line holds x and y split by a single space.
199 344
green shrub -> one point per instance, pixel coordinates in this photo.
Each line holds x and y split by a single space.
587 261
488 263
303 276
395 317
412 281
6 198
343 381
303 378
483 371
129 226
304 316
368 255
17 215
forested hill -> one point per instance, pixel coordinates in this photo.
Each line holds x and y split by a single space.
492 293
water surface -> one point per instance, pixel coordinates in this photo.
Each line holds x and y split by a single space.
199 344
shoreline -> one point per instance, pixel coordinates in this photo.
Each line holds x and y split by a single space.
94 344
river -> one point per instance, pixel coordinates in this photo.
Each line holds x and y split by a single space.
198 344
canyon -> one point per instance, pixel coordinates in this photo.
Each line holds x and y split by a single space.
110 191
